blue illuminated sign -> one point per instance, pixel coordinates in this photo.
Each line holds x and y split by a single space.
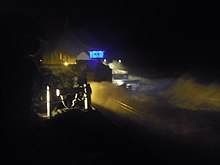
96 54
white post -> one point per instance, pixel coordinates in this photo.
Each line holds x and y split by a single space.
86 103
48 101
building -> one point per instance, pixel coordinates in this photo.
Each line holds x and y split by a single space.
69 51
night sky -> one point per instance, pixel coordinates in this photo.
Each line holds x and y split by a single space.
160 34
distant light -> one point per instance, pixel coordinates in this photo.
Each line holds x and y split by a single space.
66 63
119 61
118 82
41 60
105 60
96 54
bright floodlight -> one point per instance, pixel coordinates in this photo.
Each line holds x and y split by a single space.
119 61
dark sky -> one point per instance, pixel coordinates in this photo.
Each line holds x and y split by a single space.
158 33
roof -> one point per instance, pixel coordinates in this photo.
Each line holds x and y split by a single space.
67 42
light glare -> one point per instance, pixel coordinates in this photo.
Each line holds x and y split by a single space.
66 63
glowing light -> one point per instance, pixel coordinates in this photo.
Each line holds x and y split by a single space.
48 101
96 54
118 82
119 61
66 63
57 92
105 60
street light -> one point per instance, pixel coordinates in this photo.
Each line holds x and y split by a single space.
66 63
